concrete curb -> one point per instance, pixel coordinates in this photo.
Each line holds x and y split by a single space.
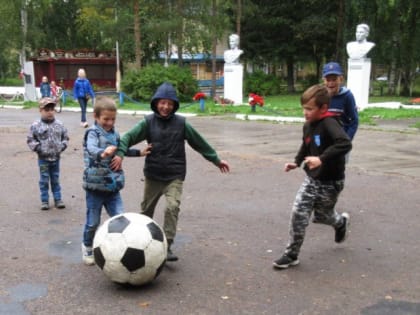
390 105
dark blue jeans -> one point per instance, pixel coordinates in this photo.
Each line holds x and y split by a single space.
83 105
49 173
94 203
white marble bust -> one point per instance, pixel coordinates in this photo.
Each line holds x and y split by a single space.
360 48
232 55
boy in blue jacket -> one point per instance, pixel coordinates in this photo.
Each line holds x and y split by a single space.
342 99
82 91
44 87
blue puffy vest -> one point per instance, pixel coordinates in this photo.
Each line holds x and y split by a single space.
97 175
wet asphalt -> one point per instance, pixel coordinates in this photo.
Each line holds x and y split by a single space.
231 228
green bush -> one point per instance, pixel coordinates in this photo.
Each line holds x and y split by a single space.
142 84
261 83
11 82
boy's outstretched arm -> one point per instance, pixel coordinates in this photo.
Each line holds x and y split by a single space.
116 162
289 166
224 166
199 144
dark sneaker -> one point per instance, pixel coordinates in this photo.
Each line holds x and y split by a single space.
45 206
341 232
171 256
316 220
285 261
59 204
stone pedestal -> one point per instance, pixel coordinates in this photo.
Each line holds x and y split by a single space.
30 84
233 83
358 80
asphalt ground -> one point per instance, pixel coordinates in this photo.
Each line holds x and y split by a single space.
231 228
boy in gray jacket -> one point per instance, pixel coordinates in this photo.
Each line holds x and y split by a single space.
48 138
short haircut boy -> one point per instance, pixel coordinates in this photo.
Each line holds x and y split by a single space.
317 92
104 103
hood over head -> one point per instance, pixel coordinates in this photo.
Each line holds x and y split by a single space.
165 90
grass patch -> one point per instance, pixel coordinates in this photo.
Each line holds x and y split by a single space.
11 82
369 115
416 125
280 105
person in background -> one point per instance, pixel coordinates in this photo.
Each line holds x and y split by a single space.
54 90
44 87
342 100
82 91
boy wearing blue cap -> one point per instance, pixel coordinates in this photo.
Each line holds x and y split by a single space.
342 99
165 166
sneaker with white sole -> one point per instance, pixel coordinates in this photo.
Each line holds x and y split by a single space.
87 255
59 204
341 232
285 261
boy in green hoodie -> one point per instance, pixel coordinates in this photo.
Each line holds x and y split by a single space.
165 166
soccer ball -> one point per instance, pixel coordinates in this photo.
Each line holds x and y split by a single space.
130 248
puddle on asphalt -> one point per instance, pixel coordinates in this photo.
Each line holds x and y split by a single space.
68 249
392 308
21 293
27 291
13 308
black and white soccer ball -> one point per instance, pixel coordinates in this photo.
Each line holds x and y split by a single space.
130 248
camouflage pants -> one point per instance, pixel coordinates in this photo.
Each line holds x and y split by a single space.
314 196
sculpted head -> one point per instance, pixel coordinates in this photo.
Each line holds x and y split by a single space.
362 32
234 41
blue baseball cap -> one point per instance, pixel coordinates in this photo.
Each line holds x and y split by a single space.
332 68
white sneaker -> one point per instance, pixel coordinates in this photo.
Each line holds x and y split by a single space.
87 255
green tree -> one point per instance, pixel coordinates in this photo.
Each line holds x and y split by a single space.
10 38
289 31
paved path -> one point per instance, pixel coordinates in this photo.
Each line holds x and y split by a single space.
231 228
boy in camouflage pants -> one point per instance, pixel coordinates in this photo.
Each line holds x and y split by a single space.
322 154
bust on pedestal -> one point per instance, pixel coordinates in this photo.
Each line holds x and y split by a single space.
359 48
233 71
232 55
359 66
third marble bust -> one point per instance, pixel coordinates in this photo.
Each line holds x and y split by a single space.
359 48
232 55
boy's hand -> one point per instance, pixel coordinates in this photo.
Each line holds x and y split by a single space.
109 151
313 162
147 150
223 166
116 163
289 166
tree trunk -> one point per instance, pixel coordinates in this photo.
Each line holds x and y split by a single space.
137 33
339 38
238 17
180 32
213 53
290 75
